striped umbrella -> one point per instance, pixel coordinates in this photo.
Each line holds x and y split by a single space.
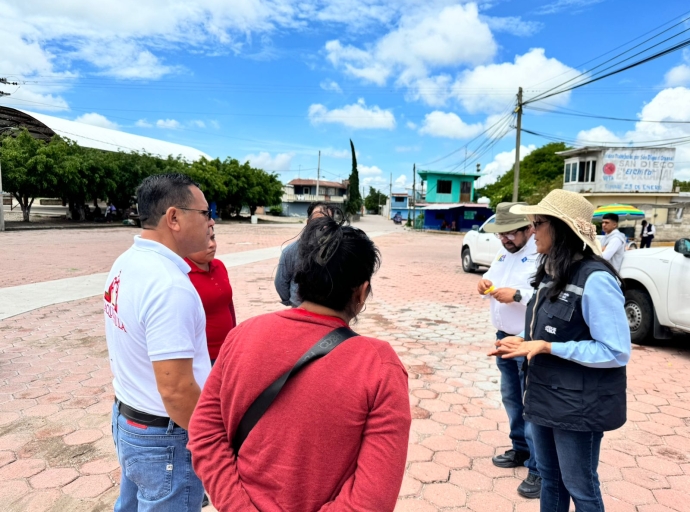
624 212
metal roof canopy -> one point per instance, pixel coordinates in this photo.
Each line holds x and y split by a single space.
43 127
450 206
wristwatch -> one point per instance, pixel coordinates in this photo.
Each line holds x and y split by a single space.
517 297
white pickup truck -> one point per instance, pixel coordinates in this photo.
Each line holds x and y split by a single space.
479 248
657 290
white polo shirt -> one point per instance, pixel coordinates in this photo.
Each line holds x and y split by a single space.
152 313
513 270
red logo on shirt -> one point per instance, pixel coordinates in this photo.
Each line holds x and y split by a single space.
110 302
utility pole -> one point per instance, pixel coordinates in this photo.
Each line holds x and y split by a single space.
516 168
414 195
390 196
318 176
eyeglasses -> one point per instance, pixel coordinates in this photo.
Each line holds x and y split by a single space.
207 213
509 235
538 223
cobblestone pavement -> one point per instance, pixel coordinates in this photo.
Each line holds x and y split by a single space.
56 451
45 255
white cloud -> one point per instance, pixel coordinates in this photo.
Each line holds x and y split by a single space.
143 123
96 119
331 85
198 123
411 125
679 75
215 124
401 181
365 170
502 163
671 104
566 5
513 25
488 88
337 153
423 40
448 125
168 124
357 116
264 160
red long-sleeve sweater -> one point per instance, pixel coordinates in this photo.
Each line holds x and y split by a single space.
335 438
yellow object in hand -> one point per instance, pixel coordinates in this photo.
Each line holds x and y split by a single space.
492 288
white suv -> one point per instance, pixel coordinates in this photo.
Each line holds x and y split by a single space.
657 290
479 248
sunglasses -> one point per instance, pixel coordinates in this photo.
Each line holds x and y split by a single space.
538 223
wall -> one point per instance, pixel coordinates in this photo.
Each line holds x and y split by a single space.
641 201
432 196
295 209
674 230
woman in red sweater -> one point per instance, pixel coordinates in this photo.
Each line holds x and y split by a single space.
335 438
210 278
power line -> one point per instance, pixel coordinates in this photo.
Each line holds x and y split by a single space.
594 116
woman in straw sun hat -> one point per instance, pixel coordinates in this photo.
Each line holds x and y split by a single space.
577 344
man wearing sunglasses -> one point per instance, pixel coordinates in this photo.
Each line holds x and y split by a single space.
507 284
156 333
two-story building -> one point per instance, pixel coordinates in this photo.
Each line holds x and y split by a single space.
299 194
450 200
642 177
400 204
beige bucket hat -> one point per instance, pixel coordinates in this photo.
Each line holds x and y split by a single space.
571 208
506 221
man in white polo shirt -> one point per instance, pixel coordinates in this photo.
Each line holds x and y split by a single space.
155 329
508 285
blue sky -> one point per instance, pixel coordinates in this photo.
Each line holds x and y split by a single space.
276 81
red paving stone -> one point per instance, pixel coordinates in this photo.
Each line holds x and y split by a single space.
55 392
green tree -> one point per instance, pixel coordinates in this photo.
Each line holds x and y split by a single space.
353 205
374 200
29 169
540 172
683 185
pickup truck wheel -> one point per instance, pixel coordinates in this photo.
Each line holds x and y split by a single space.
640 312
467 263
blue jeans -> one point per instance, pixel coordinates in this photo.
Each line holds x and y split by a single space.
568 463
512 391
157 473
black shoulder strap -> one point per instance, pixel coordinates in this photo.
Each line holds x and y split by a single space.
265 399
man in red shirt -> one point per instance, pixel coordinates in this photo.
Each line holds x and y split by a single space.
210 278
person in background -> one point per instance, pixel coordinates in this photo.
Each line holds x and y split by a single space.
287 266
210 278
577 344
335 437
507 283
647 234
613 243
156 334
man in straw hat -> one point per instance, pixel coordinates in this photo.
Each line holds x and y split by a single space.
577 345
507 284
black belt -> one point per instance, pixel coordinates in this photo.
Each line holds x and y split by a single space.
142 418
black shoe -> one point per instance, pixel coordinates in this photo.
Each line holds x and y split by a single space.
205 502
530 486
510 459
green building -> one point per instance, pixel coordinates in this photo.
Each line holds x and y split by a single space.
449 187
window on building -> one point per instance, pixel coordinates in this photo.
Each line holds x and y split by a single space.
593 171
444 186
573 171
566 178
582 172
398 199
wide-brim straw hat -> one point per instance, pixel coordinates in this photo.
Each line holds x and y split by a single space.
505 220
571 208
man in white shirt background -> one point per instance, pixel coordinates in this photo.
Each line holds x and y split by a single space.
155 329
508 286
613 242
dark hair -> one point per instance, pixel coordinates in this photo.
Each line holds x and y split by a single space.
333 261
319 204
159 192
567 249
643 223
611 216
